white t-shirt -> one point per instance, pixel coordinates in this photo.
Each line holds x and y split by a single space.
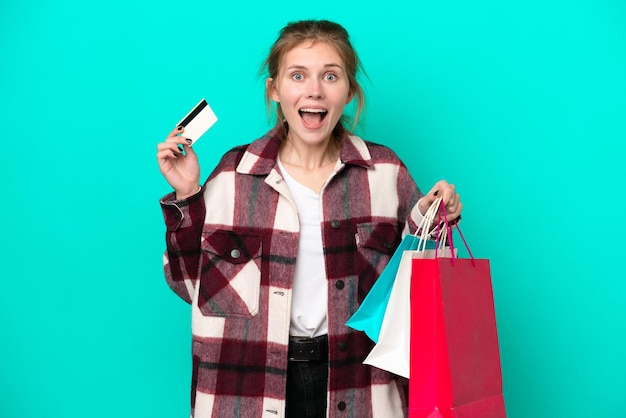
310 288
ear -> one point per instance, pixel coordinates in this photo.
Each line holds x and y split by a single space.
270 87
350 97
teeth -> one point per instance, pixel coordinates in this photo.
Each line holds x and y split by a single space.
310 110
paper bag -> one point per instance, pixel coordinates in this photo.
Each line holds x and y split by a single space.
455 360
369 315
392 351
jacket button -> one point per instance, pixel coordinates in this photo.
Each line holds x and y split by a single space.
341 406
235 253
335 224
339 284
343 346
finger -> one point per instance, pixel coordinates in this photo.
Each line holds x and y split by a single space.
168 150
439 188
448 194
179 139
188 148
172 146
424 203
167 154
454 208
456 214
428 199
187 142
185 147
177 131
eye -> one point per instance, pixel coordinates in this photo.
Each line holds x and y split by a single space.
297 76
330 77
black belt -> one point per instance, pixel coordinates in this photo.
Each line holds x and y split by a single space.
308 349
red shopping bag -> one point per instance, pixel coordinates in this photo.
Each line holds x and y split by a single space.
455 360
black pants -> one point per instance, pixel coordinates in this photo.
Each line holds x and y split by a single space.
306 389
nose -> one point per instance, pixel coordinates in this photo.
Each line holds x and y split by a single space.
314 89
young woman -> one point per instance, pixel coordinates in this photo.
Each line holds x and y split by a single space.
283 241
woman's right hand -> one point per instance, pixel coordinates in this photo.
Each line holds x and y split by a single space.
182 172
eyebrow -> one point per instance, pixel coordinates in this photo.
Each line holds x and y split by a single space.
303 67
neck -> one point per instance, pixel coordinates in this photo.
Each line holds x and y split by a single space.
309 157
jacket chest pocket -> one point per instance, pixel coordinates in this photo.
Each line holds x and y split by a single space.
230 279
376 242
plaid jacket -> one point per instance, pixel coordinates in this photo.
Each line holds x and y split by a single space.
231 253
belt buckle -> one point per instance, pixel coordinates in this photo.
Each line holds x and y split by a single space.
311 345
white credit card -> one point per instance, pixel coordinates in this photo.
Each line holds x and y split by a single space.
197 121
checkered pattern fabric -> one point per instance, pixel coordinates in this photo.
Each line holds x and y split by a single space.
231 253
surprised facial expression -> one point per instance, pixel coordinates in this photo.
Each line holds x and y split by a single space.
313 89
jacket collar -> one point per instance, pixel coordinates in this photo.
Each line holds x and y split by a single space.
261 155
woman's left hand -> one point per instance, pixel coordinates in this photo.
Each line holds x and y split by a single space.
450 198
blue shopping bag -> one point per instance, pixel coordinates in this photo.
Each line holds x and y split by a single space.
369 316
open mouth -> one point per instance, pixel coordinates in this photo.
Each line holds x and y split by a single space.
312 116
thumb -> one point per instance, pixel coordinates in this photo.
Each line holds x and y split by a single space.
428 199
433 194
189 149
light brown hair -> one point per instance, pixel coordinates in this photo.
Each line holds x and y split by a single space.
296 33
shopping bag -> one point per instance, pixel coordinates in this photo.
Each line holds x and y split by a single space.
455 360
369 315
392 351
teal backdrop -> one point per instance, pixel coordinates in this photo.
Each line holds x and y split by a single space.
521 104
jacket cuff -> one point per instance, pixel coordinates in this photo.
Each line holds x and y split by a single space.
182 213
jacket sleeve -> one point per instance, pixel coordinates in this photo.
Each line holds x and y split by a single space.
408 197
184 220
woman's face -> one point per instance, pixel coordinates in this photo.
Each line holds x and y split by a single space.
312 89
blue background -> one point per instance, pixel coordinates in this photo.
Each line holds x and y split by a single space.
521 104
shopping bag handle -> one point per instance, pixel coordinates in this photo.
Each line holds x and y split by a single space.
425 228
448 232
